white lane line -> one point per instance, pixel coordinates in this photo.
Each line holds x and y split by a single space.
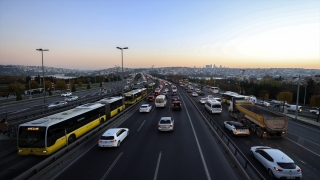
303 147
304 139
113 164
200 151
72 163
304 126
141 125
157 168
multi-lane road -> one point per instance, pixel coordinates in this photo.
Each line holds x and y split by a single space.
189 152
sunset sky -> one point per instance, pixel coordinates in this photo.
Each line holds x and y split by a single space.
83 34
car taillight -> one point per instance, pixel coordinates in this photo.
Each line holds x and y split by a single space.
277 169
99 140
159 126
171 126
113 140
283 132
299 170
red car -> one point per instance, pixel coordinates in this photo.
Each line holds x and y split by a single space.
150 98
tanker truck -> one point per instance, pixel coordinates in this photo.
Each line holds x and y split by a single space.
264 123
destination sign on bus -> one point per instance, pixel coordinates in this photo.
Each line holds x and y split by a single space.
33 128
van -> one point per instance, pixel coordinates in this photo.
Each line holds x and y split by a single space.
161 101
213 106
294 108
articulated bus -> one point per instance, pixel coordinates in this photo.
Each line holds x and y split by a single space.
115 104
226 97
214 90
135 95
47 135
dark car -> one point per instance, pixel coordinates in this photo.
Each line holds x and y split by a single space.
176 105
201 93
175 98
150 98
174 94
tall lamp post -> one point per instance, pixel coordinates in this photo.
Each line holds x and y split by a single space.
122 67
44 84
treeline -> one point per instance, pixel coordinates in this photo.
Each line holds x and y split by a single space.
17 85
268 88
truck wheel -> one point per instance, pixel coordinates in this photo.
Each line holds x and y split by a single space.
253 129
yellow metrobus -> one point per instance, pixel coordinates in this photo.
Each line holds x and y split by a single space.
47 135
134 96
115 104
226 97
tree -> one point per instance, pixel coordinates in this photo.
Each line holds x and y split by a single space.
79 84
315 102
73 88
16 88
34 84
285 97
61 85
88 86
48 85
264 94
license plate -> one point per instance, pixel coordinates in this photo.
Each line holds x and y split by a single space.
290 177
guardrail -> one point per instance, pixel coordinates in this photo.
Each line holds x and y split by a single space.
54 160
246 167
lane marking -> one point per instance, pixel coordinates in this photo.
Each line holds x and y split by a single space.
61 171
113 164
199 148
157 168
304 139
299 124
141 125
303 147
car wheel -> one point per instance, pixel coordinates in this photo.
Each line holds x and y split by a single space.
270 173
251 154
118 144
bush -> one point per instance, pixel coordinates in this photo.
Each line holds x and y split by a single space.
88 86
18 96
73 89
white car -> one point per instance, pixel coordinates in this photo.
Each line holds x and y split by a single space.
71 98
236 128
66 94
194 94
57 104
145 108
203 100
263 103
314 111
113 137
277 163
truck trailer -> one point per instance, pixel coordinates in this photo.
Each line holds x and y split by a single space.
264 123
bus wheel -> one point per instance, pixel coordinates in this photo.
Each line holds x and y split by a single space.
71 139
101 121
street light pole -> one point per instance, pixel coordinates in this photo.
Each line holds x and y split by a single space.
44 84
122 67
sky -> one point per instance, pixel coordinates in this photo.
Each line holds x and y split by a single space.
84 34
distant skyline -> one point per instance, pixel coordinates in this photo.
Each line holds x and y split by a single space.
83 34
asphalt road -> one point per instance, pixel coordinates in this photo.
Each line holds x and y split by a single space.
189 152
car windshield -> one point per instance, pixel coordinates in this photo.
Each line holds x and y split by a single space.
287 165
55 103
107 137
165 121
144 106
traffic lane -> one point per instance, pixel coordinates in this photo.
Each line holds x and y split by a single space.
162 153
214 159
301 155
306 132
95 163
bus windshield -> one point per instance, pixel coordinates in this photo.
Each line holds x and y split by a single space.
31 137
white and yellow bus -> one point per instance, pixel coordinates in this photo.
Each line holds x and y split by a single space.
47 135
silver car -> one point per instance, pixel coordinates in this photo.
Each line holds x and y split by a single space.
57 104
71 98
166 124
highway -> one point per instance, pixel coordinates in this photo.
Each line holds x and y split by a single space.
189 152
